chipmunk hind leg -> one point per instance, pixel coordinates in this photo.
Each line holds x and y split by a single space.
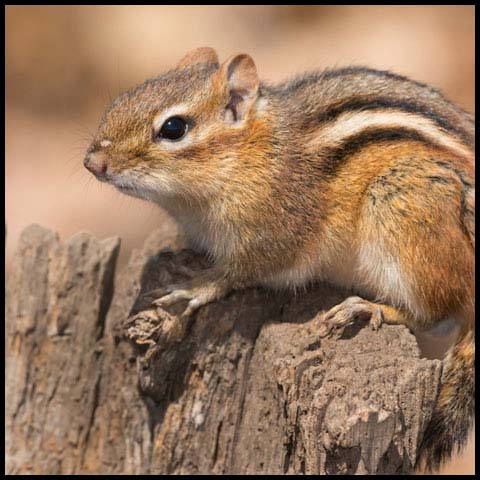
414 240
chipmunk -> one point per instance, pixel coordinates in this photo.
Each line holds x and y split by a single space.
354 176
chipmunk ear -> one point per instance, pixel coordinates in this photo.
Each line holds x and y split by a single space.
199 55
239 73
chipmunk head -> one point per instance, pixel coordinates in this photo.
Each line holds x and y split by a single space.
176 134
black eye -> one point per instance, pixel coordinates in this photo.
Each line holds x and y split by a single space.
174 128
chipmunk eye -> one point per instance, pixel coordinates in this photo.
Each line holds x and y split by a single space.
174 128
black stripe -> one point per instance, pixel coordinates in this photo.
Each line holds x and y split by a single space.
336 156
342 72
353 70
382 103
317 76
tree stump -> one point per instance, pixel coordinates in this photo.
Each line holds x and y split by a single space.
95 382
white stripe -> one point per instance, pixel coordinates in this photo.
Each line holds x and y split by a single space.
352 123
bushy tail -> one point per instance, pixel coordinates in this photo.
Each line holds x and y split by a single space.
454 412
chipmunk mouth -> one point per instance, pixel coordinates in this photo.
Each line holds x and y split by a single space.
121 184
153 187
130 185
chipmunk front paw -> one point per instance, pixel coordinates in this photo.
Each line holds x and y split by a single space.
199 291
345 313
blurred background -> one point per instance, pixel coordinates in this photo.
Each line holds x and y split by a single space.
65 64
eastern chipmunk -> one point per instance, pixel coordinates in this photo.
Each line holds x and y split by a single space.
358 177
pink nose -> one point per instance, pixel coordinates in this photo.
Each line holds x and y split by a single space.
97 163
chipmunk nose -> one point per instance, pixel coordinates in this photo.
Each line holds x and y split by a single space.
97 163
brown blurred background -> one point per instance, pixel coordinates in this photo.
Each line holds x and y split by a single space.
64 65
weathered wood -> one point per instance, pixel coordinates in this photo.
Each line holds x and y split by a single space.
96 383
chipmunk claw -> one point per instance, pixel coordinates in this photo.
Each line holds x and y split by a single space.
171 296
197 296
176 296
350 310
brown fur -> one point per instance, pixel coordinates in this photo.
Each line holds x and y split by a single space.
282 186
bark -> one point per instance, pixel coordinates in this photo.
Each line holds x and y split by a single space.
96 383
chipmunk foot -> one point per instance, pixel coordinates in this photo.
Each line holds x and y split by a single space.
352 309
201 290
